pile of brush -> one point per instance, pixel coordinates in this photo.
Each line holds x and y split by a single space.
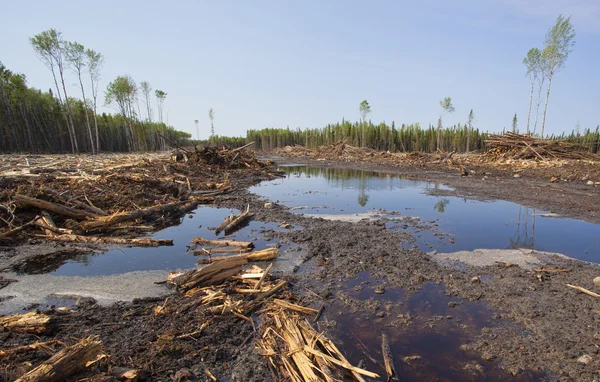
521 146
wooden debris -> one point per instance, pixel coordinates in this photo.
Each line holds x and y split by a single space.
211 274
32 322
263 255
238 222
586 291
66 362
46 347
103 222
225 223
547 270
144 242
11 232
223 243
212 251
294 307
262 278
293 346
388 360
521 146
124 373
210 375
53 207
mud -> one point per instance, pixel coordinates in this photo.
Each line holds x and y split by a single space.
510 322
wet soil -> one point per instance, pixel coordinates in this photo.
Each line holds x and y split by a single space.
497 321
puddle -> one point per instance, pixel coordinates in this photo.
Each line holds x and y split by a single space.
168 258
427 332
446 224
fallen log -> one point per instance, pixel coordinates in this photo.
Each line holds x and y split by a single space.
65 363
103 222
238 222
110 240
212 251
82 205
209 275
32 322
264 255
53 207
225 223
223 243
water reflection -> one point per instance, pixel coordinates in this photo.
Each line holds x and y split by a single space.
471 224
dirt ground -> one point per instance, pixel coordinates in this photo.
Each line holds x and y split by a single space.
544 328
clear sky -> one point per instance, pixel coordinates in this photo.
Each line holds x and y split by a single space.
307 63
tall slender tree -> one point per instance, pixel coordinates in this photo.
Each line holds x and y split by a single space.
515 122
447 107
160 101
559 41
365 110
49 48
95 61
211 116
146 89
469 128
196 122
76 58
533 64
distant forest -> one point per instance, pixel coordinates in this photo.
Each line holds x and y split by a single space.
405 138
35 121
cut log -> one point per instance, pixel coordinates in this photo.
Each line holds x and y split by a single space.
100 223
586 291
390 369
212 251
264 255
111 240
209 275
223 243
65 363
32 322
53 207
239 222
294 307
225 223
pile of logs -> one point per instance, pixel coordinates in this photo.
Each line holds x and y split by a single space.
219 156
520 146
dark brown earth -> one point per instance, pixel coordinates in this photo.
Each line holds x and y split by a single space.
535 327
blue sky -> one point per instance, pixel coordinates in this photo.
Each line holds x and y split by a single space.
307 63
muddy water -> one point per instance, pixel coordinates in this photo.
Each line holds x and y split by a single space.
445 224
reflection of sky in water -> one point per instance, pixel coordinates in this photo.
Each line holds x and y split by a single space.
165 258
473 224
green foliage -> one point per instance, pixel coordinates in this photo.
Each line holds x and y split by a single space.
33 121
559 41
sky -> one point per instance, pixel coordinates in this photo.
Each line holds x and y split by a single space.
307 63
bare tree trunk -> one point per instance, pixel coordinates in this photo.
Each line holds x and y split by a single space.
530 104
69 112
71 137
537 104
546 104
87 117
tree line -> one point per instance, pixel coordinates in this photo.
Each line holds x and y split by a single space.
35 121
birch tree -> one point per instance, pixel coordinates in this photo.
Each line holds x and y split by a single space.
49 48
559 41
76 58
533 64
160 101
95 61
121 94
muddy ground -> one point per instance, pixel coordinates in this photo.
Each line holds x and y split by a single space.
539 328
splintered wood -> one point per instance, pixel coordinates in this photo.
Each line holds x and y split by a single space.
66 362
299 353
32 322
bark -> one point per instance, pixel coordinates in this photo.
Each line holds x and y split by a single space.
530 104
69 238
53 207
32 322
546 104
